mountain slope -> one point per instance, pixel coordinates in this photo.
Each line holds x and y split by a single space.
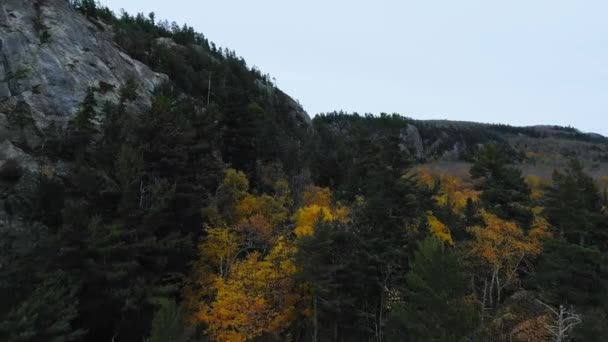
146 175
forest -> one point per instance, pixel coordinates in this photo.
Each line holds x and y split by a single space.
215 216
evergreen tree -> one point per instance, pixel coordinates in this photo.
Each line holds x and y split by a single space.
573 206
332 263
436 306
24 260
83 127
505 192
572 274
47 314
572 269
84 119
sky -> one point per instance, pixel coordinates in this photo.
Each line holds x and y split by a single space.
518 62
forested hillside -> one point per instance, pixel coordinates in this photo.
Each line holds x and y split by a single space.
190 199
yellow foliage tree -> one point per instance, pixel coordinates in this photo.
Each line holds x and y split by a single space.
218 248
318 208
503 246
439 229
454 194
306 218
256 298
216 252
242 286
536 186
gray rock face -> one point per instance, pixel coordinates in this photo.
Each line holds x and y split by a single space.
50 55
411 141
9 151
296 111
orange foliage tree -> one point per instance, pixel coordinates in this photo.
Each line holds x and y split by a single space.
257 297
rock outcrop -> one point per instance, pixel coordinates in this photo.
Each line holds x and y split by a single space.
50 55
411 141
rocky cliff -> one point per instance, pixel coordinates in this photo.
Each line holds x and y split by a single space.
49 56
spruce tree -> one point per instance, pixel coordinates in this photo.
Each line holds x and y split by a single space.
573 206
47 314
572 269
84 121
341 281
505 192
436 306
83 126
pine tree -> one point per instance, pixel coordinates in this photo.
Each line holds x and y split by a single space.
46 315
573 206
83 127
24 256
571 274
84 120
332 263
504 190
572 267
128 171
436 305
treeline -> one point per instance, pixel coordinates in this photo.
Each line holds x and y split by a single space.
427 140
422 141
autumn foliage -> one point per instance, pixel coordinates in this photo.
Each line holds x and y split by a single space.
256 297
247 283
243 284
317 208
438 229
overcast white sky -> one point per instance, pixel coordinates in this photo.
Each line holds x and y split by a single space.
519 62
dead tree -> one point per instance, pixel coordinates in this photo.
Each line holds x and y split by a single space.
563 322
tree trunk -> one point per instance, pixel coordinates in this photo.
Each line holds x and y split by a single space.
482 313
560 325
491 290
380 314
336 331
315 327
498 290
